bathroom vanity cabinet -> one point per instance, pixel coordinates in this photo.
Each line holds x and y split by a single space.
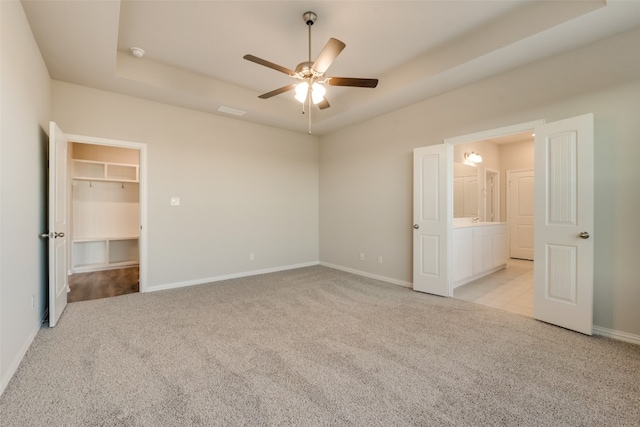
478 249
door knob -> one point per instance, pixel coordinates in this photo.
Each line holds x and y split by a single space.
416 226
44 236
584 235
56 234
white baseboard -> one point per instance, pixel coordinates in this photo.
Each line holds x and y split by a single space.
618 335
369 275
202 281
13 367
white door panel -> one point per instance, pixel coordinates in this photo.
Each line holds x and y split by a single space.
432 216
563 270
58 229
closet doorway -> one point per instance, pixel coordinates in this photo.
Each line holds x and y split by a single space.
105 220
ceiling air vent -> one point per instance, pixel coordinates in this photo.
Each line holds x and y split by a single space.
233 111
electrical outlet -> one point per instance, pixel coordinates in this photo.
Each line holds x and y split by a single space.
379 259
361 256
33 302
175 201
251 256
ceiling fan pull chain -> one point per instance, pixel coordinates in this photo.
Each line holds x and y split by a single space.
309 99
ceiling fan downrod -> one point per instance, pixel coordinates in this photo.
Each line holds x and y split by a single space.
309 18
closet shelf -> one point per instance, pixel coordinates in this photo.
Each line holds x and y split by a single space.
84 178
100 238
104 253
90 170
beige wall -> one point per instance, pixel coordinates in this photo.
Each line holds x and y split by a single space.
366 170
244 188
24 115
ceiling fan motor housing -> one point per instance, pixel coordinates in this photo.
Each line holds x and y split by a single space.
304 71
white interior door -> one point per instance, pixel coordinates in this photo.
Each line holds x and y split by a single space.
432 216
563 272
520 207
58 230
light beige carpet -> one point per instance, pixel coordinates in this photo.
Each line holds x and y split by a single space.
316 346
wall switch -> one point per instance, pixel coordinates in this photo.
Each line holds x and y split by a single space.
175 201
379 259
33 302
251 256
361 256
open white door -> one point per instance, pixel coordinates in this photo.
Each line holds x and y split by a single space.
432 213
563 271
58 233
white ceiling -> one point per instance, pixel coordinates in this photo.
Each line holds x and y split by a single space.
417 49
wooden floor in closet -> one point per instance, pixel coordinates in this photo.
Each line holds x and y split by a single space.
103 284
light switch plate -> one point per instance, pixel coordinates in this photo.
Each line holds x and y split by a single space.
175 201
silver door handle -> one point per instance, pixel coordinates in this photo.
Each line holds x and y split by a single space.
416 226
44 236
56 234
583 235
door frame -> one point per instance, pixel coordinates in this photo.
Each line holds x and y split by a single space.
142 175
477 137
496 193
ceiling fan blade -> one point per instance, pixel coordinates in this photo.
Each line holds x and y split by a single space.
323 104
352 81
283 89
269 64
329 53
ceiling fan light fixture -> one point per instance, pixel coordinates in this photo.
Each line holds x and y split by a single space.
317 93
301 91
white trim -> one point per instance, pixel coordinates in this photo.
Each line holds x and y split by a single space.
205 280
617 335
15 364
496 194
479 275
492 133
142 179
369 275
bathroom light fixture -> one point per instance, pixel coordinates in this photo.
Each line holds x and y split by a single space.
473 157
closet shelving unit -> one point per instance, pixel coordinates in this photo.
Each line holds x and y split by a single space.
105 215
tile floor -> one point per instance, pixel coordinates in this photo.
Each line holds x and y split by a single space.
509 289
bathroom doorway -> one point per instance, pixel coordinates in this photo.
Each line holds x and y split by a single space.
563 273
504 158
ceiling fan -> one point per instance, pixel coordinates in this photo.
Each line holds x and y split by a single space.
311 74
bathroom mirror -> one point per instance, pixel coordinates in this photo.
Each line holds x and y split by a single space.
465 190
